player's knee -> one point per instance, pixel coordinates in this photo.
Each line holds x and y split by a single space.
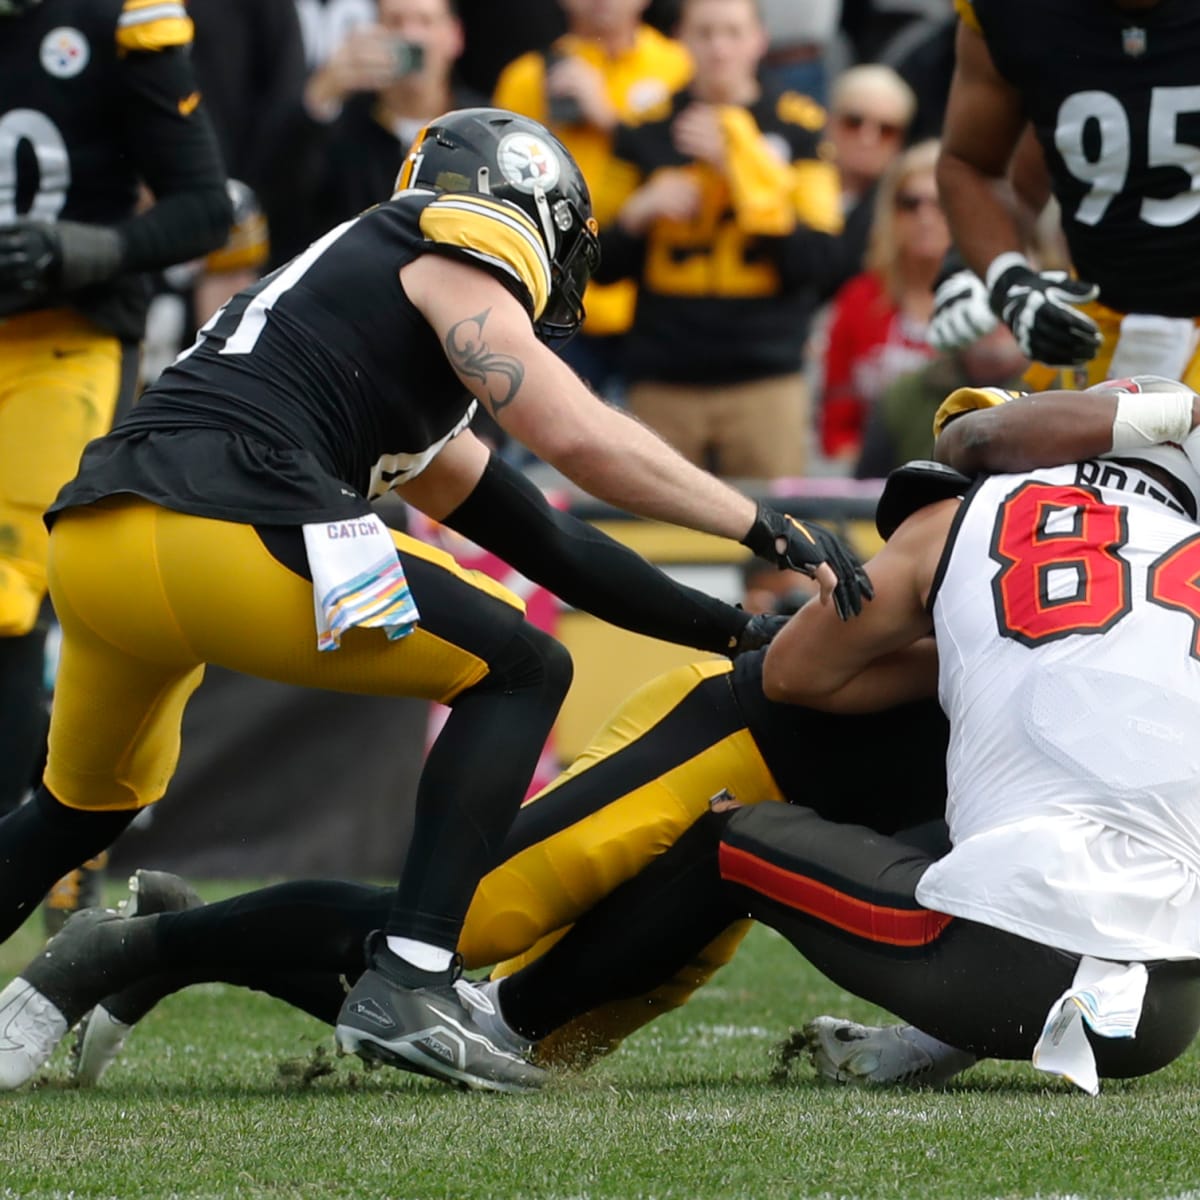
532 660
557 665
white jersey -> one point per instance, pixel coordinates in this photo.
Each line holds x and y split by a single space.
1067 616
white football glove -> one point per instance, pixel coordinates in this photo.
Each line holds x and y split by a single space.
961 313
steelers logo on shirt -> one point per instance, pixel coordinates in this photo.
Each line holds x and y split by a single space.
64 52
527 162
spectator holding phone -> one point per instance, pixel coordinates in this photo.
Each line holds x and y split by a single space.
610 68
364 106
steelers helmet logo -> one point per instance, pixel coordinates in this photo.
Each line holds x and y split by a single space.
527 162
64 52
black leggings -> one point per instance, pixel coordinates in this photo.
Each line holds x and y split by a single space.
474 780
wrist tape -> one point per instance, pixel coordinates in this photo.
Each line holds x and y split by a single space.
1004 262
1151 418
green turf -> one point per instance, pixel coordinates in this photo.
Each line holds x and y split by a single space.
201 1107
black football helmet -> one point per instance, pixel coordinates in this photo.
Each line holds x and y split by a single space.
512 158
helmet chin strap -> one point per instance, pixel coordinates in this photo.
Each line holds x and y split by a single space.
544 215
483 181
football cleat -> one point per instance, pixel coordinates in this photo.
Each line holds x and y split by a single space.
53 992
30 1027
880 1055
389 1017
153 892
101 1035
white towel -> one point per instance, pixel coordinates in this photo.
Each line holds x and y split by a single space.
1108 996
357 580
1153 345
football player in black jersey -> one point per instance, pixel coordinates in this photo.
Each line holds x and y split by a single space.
95 97
1116 121
227 519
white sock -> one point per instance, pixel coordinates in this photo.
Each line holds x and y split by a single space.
422 955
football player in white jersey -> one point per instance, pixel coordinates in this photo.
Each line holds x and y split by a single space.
1063 925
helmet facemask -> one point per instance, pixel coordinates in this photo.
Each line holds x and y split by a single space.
571 268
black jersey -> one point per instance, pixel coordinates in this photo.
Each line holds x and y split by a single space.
96 97
1114 96
885 770
724 297
321 386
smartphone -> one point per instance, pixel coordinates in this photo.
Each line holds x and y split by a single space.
561 110
407 58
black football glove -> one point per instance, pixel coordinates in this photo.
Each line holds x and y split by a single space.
800 546
38 258
758 632
1039 307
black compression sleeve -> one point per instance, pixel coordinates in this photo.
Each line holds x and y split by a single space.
175 149
509 516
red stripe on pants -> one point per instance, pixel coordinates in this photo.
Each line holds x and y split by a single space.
874 922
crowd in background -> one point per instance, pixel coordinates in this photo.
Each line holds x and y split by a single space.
762 173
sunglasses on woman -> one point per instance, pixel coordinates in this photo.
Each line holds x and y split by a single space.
888 130
907 202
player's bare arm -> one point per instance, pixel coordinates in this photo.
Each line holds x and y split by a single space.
537 399
1052 428
884 657
543 404
449 479
499 375
984 121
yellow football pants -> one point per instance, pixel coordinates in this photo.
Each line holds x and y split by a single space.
146 597
60 380
675 745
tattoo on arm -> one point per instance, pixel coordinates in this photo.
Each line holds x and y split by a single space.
471 356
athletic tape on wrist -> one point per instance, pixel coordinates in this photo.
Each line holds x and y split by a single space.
1151 418
1004 262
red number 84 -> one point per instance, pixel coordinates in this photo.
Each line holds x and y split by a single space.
1062 571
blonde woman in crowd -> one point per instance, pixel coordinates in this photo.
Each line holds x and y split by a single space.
879 318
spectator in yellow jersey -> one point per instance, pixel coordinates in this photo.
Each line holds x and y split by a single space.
728 221
609 68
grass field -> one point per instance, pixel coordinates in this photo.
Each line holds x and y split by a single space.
207 1103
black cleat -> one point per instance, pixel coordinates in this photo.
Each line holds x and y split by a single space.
153 892
422 1021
